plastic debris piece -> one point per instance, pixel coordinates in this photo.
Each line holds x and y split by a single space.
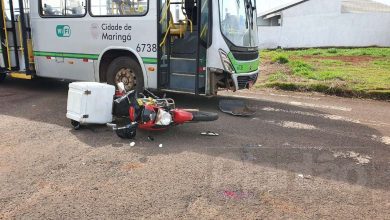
308 177
305 176
160 145
132 144
209 133
150 138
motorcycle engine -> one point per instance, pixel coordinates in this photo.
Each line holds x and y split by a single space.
148 114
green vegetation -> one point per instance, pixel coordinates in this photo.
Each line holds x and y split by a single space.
277 77
332 50
301 68
280 58
360 72
374 52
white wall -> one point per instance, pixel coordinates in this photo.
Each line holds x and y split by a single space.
314 7
269 37
303 28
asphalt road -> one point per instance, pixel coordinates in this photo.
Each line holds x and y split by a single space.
302 156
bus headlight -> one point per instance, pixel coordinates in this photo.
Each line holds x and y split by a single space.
227 64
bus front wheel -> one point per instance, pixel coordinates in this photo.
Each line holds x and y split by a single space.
127 71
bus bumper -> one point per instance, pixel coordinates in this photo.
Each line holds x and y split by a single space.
244 80
221 79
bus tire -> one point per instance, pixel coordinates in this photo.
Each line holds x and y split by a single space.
126 70
2 76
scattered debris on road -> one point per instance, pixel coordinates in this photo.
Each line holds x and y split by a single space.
252 145
160 145
132 144
305 176
209 133
236 108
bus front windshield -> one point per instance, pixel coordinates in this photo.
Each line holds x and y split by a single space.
237 22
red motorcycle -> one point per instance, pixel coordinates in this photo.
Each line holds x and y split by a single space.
151 113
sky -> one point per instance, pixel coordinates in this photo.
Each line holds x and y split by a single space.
264 5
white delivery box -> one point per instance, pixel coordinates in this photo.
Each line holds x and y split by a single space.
90 102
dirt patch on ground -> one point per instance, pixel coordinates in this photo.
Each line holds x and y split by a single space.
348 59
267 68
132 166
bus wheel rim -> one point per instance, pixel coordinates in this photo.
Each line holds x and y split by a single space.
127 77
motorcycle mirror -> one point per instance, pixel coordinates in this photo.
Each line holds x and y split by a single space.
121 87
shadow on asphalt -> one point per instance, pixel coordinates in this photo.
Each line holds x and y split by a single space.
256 140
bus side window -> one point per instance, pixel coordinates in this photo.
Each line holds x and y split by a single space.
78 8
63 8
48 10
119 7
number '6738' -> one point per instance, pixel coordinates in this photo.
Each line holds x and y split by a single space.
147 48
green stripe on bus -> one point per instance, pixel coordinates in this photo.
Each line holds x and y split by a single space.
66 55
149 60
146 60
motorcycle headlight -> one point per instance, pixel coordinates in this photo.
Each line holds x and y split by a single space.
227 64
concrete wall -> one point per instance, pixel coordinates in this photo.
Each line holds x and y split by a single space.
302 28
314 7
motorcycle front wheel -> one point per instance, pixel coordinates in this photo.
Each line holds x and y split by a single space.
127 133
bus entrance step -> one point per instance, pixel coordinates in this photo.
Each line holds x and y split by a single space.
185 81
20 75
183 65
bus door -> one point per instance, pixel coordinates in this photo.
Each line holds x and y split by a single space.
183 36
15 35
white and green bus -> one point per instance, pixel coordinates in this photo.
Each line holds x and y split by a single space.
189 46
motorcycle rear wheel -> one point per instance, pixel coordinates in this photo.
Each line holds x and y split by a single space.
204 116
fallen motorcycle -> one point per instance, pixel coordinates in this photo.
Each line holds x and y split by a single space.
146 111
